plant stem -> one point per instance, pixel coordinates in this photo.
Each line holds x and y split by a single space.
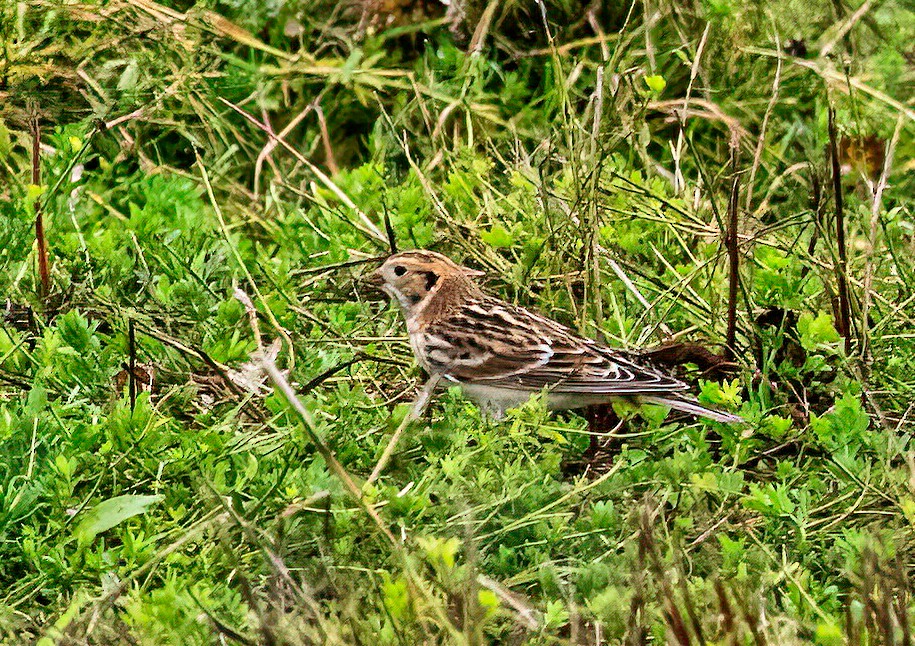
733 256
41 244
844 319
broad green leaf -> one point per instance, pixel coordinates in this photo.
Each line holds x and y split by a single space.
396 596
817 330
488 601
828 634
497 236
38 399
129 77
109 513
656 83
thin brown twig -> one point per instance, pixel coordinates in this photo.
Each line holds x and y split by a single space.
478 40
325 140
132 363
40 241
593 253
677 150
309 424
699 108
264 154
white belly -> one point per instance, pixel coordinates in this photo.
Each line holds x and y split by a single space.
495 401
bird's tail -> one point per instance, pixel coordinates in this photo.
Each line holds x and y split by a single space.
693 408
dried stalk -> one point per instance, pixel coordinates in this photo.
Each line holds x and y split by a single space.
876 206
844 318
44 273
733 257
132 364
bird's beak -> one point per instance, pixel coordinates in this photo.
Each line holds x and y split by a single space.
373 279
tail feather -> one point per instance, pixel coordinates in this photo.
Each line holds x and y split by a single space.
693 408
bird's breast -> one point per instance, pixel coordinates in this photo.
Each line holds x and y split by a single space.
417 342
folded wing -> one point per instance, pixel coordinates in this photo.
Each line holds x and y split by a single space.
493 343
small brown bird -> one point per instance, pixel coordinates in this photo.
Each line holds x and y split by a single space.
501 354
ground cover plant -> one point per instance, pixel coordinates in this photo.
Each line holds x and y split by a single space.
192 192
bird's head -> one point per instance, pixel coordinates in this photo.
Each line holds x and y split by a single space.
413 277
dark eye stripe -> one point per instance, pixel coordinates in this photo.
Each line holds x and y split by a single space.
431 279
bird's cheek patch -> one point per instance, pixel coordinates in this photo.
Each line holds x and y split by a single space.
431 279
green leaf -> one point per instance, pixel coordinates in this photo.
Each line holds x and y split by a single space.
109 513
32 193
655 415
776 426
66 466
656 83
733 551
440 550
704 482
497 236
817 330
129 77
488 601
828 634
555 614
396 596
849 418
6 144
38 399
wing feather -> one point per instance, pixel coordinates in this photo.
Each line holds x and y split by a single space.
494 343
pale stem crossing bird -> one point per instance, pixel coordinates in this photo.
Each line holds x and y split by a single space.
501 354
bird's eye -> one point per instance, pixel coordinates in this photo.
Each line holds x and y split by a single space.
399 270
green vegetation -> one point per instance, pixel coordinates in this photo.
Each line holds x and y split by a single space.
589 160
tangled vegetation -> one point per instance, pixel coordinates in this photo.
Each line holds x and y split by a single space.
730 181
